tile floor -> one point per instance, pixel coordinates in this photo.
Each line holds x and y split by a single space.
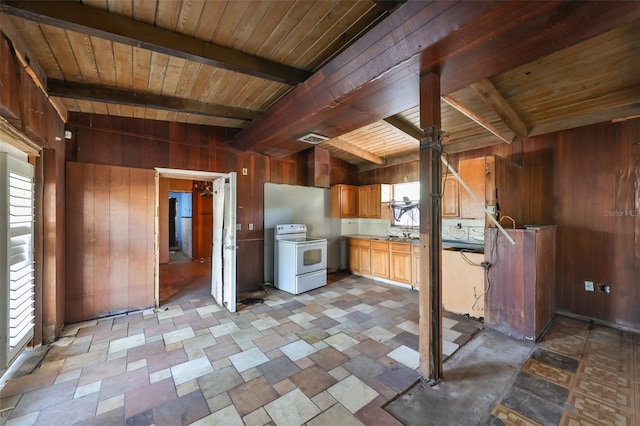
332 356
577 375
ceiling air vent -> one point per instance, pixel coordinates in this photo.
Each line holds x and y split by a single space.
312 138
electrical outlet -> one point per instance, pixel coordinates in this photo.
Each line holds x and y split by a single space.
605 288
588 286
244 171
251 227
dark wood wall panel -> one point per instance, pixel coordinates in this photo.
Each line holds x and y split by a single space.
110 258
587 182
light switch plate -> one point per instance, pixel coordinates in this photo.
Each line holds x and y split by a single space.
588 286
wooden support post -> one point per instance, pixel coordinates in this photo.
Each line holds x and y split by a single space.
430 230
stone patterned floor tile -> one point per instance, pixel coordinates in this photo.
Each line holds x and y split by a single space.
312 380
328 358
294 408
278 369
227 416
257 418
252 395
363 367
191 370
341 341
379 334
353 393
406 356
248 359
297 349
336 415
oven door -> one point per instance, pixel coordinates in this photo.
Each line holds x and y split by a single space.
311 256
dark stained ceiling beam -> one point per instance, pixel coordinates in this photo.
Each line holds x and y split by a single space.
74 16
90 92
377 76
494 100
405 127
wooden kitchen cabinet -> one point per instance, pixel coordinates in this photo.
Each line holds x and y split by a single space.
400 262
380 259
360 257
521 300
373 201
472 172
450 197
497 183
344 201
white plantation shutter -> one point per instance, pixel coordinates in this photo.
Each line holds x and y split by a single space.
16 256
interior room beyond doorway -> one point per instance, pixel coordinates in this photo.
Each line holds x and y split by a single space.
185 236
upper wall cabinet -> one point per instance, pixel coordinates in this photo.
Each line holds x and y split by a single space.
497 183
373 201
450 197
344 201
367 201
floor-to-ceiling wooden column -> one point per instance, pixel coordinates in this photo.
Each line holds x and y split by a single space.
430 225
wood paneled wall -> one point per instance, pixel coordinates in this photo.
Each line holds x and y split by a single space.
110 255
147 144
25 107
587 182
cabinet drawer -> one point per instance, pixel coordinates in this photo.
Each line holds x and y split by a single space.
379 245
401 247
360 243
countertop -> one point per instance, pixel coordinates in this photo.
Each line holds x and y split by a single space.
446 244
384 238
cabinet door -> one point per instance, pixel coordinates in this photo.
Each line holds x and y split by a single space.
365 260
354 260
401 268
450 197
472 172
380 259
415 266
344 201
348 204
364 201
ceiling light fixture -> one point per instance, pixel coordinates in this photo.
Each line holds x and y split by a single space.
313 138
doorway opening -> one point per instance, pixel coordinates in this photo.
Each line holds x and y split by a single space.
195 244
185 273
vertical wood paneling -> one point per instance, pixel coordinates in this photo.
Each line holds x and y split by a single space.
102 246
110 245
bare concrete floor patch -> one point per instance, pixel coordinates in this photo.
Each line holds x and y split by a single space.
475 378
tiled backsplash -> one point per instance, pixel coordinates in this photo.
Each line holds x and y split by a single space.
468 230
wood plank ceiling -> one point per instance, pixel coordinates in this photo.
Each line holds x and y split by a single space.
279 68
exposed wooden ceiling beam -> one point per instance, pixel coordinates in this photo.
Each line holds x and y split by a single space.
407 128
494 100
90 92
27 59
378 75
448 147
74 16
470 114
354 149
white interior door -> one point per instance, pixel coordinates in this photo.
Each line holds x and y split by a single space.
218 189
223 257
229 245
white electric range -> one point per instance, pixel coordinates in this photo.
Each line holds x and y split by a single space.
300 262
